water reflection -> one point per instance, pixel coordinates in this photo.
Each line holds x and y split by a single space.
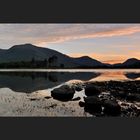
117 76
32 81
29 81
132 75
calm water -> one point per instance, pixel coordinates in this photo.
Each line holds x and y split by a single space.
32 80
38 83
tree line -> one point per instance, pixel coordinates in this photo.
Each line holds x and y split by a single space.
51 62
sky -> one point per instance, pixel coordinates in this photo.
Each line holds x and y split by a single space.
109 43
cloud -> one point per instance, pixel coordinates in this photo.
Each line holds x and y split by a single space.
93 33
43 34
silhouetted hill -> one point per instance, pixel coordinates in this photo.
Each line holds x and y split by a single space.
28 52
87 61
31 56
131 61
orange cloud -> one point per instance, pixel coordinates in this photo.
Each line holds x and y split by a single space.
108 33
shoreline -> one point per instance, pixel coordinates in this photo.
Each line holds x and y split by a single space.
41 103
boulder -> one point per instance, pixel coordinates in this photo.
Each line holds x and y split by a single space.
93 104
111 108
63 93
91 90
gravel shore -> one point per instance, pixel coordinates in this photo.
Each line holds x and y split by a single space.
125 94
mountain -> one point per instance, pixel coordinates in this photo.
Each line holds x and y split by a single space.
26 52
87 61
29 52
131 61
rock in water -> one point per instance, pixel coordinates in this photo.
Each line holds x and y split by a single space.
111 107
63 93
91 90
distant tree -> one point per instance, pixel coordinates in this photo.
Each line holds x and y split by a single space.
50 61
45 62
54 60
33 60
62 65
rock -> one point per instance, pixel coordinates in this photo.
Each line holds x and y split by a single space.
76 99
119 94
91 90
133 97
78 88
81 104
125 104
133 107
104 97
111 107
47 97
63 93
92 100
34 99
93 104
53 105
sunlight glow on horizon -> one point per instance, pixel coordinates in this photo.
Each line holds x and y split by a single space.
108 43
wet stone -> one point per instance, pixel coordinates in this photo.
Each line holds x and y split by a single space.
91 90
63 93
76 99
111 107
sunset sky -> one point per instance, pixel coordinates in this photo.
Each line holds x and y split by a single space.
110 43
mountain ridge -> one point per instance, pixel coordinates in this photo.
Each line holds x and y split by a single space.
26 52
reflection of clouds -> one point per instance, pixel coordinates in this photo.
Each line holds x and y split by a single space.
110 75
55 33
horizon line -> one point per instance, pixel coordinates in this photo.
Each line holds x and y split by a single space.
105 61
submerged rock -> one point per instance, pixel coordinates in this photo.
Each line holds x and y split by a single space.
91 90
63 93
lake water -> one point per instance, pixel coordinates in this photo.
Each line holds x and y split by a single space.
30 80
17 86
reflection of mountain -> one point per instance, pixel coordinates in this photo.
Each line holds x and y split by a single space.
33 81
132 75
